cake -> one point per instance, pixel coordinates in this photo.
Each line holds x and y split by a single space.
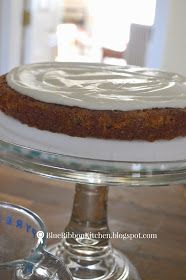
96 100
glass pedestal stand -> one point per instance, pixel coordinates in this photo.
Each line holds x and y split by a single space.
92 257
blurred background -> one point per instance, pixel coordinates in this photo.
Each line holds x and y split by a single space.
138 32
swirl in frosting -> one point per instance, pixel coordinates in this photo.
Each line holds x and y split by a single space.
99 86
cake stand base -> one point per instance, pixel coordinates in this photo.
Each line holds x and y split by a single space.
115 266
86 248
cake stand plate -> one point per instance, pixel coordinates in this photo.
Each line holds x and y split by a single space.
91 161
93 165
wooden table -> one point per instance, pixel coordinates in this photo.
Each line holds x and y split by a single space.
145 210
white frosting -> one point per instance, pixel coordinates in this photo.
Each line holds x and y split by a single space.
99 86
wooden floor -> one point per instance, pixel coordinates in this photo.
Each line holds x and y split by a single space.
145 210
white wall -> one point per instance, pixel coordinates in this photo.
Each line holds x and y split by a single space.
156 46
167 49
175 44
11 13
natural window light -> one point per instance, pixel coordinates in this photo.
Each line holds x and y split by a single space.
111 19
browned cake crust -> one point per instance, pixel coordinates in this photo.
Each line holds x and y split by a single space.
148 124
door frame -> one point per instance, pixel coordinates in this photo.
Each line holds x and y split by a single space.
11 31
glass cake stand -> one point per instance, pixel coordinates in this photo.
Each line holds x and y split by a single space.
92 257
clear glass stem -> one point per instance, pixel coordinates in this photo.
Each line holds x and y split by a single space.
89 214
87 249
91 245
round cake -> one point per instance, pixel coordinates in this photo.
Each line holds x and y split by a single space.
96 100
